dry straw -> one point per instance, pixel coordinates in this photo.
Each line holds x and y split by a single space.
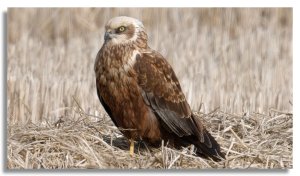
249 141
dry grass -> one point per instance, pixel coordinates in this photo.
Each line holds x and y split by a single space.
236 60
249 141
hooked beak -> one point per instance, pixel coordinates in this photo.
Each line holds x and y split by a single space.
107 36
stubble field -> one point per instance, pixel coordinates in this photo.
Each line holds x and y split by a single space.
234 65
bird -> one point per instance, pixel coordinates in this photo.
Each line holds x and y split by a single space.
141 93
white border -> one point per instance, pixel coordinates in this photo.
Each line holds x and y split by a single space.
148 3
4 4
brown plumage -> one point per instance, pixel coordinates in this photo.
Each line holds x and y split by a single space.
141 93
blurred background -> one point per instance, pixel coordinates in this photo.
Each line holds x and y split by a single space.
235 59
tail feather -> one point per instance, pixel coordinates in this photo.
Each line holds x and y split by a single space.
203 149
205 143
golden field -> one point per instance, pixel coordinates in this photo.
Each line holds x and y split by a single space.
234 65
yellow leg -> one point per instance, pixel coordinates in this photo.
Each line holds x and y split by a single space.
131 149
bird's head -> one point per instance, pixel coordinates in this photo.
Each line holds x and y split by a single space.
122 30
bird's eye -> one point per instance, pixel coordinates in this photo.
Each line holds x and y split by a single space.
121 29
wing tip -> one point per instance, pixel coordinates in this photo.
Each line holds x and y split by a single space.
210 148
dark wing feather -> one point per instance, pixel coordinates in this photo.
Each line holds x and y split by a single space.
162 92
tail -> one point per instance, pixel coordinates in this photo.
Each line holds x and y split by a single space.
209 148
205 143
